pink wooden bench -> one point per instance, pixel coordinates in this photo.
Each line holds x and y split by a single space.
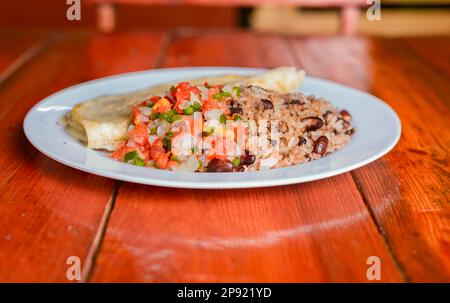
106 20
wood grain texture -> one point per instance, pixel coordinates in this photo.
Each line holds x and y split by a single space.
396 208
407 190
50 211
17 48
413 202
319 231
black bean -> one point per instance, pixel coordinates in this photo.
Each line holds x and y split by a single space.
236 110
301 140
267 104
326 114
296 101
248 159
312 123
350 131
345 123
219 165
238 168
320 146
346 115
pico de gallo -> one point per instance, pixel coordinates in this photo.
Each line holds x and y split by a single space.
192 128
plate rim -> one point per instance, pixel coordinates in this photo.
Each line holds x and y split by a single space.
126 176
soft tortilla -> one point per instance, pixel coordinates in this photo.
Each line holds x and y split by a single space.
102 123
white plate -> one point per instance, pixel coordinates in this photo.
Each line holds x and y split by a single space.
378 130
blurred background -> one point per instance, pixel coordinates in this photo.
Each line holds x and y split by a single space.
299 17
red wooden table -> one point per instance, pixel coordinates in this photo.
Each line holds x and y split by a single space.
396 208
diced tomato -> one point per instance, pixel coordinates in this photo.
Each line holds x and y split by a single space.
162 160
155 99
157 149
225 109
183 91
134 114
162 106
211 103
182 95
119 154
139 134
146 153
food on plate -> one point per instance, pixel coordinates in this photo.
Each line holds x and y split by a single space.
231 128
102 123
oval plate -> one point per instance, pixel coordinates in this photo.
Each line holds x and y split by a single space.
378 131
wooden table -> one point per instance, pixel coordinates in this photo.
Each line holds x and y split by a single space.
396 208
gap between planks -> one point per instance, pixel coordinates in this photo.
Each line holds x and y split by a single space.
387 244
27 55
95 247
379 227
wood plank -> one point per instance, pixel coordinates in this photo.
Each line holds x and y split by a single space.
434 51
49 211
17 48
407 190
318 231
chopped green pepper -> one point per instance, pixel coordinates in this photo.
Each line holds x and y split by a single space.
166 144
188 110
197 106
237 90
175 118
165 117
236 161
169 115
169 134
133 158
220 95
223 119
130 156
139 162
236 117
175 158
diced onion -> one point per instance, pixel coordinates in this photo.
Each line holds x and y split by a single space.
194 98
131 143
162 128
228 88
143 118
204 92
147 111
190 165
213 114
152 138
293 141
268 163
